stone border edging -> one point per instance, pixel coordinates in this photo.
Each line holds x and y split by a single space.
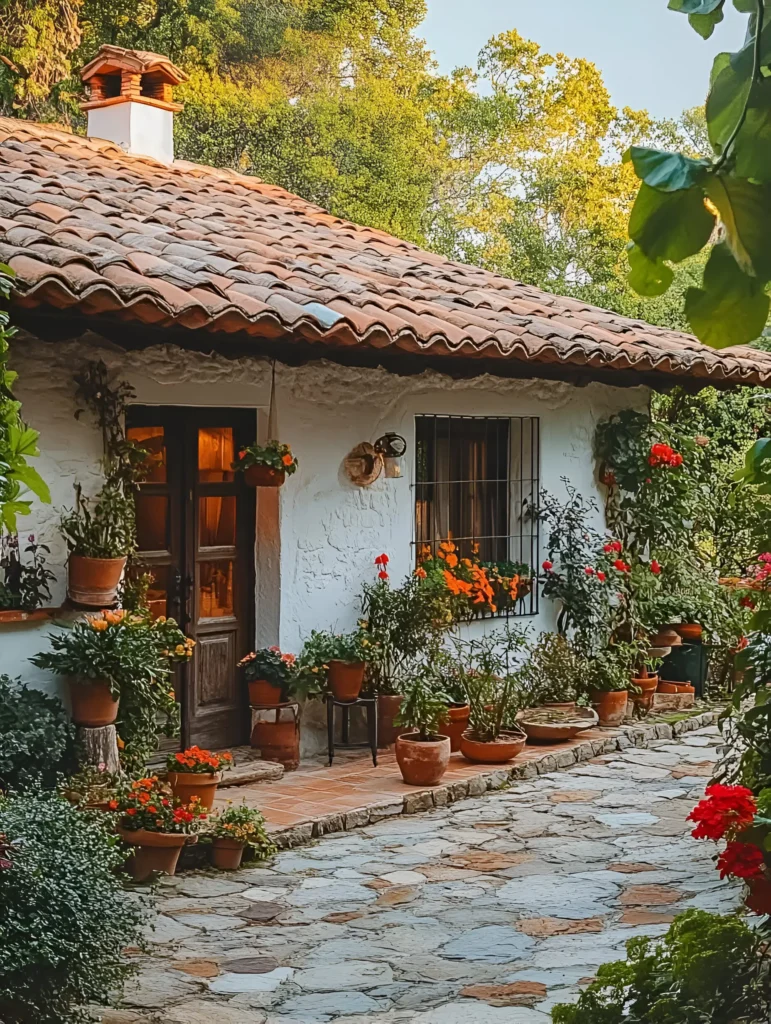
424 799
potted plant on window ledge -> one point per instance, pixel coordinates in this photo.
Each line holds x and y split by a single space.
266 465
100 534
423 753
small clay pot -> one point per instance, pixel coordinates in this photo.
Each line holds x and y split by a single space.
456 724
669 686
264 476
278 741
690 631
758 899
186 785
92 703
422 763
263 692
388 705
647 685
93 582
153 851
346 679
505 748
226 854
610 706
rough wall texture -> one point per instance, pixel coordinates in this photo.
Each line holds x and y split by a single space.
329 530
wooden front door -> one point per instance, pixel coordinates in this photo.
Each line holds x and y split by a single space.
196 534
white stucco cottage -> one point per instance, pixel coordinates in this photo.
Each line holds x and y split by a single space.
195 285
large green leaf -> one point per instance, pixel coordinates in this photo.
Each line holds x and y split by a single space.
695 6
731 308
752 149
31 479
670 225
667 172
731 87
745 210
648 277
705 24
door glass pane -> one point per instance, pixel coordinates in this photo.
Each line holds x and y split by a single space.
152 522
153 440
215 589
157 594
215 454
217 521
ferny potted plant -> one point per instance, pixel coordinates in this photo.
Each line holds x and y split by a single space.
195 774
100 534
238 830
266 465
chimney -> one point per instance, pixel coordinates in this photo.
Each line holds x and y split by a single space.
130 100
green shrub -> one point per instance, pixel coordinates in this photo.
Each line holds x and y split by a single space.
707 969
65 916
36 738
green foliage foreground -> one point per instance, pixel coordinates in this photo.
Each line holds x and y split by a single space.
707 969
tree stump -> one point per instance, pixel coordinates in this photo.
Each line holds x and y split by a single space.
99 746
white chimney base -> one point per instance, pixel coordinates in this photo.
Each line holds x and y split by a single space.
141 128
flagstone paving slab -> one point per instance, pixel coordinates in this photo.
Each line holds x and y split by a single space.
489 910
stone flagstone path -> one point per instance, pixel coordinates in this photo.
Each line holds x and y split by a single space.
489 911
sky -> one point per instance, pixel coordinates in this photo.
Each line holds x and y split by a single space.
650 57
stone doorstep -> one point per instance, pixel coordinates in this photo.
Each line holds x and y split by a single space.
638 735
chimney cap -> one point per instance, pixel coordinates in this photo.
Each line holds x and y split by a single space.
112 59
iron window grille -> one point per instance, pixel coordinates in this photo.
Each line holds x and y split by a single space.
477 485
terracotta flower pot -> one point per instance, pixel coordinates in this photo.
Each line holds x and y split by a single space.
186 785
456 724
226 854
690 631
346 679
647 685
505 748
153 851
758 899
667 686
92 703
610 705
422 763
263 692
264 476
278 741
388 706
666 637
93 582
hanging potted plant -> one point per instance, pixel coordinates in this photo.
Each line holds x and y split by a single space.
268 674
423 753
100 534
24 585
155 825
236 831
266 465
195 774
343 659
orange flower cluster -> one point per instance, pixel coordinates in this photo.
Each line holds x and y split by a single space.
466 578
148 804
194 759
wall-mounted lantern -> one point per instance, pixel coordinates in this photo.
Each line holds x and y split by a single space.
366 461
391 447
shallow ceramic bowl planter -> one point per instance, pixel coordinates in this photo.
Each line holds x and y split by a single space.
153 851
691 632
263 692
19 615
186 785
388 705
669 686
93 582
506 747
346 679
226 854
264 476
422 762
610 706
555 723
92 704
456 724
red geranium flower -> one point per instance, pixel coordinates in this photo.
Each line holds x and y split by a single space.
601 577
616 545
655 567
547 565
725 809
742 860
589 570
382 575
607 548
621 565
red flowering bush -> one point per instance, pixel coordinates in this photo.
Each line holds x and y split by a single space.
664 455
726 811
201 762
148 804
741 860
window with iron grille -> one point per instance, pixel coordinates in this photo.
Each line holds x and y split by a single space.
477 484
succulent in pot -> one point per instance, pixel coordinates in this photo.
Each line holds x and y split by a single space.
269 674
195 774
341 657
422 753
266 465
100 534
237 831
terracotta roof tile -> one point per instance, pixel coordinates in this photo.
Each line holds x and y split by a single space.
85 225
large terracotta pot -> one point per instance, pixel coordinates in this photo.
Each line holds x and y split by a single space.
689 631
93 582
263 692
422 763
758 900
346 679
264 476
153 851
647 685
278 741
226 854
505 748
610 705
456 724
92 703
388 706
186 785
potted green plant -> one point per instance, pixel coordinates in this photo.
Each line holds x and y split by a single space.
608 680
234 831
342 657
196 773
553 673
266 465
93 787
24 585
100 534
268 673
423 753
156 825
